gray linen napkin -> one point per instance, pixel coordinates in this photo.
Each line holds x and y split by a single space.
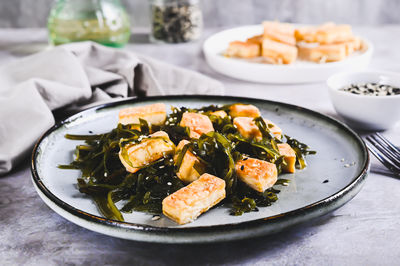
73 77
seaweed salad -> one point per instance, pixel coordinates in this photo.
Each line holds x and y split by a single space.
145 159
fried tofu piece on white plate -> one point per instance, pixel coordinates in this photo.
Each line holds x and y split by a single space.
277 52
243 49
256 39
186 204
353 45
257 174
154 114
289 157
327 33
248 110
187 172
197 123
323 53
248 128
279 32
156 146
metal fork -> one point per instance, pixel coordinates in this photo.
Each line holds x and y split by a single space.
387 153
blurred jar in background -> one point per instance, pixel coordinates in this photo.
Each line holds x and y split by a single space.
174 21
102 21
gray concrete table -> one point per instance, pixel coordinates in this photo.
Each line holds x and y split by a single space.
364 231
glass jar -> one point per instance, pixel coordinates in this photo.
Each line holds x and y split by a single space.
102 21
174 21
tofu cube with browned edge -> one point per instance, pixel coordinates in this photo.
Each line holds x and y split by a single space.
186 172
219 113
186 204
243 49
248 128
257 174
328 33
323 53
277 52
279 32
154 114
197 123
289 156
137 155
247 110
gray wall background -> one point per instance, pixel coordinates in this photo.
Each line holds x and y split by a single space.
33 13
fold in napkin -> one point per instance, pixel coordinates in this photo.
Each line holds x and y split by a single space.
73 77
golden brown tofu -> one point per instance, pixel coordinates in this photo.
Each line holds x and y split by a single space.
323 53
187 173
219 113
135 156
278 53
277 131
289 157
255 39
248 128
327 33
352 45
197 123
243 49
280 27
186 204
154 114
257 174
247 110
279 32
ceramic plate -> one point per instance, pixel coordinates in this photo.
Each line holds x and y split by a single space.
341 158
298 72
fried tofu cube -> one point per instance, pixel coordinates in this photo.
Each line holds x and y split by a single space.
248 128
323 53
243 49
257 174
248 110
352 45
331 33
275 130
154 114
289 157
256 39
280 32
187 173
197 123
186 204
305 34
280 27
135 156
220 113
278 53
327 33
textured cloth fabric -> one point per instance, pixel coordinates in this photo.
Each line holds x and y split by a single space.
76 76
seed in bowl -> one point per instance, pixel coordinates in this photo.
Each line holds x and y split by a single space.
373 89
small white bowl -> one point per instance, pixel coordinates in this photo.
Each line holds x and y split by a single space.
365 111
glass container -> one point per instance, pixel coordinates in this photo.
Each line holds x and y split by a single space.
175 21
102 21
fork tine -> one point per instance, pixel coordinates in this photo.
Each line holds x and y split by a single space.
384 161
387 142
389 148
388 153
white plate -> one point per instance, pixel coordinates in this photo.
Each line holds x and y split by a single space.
298 72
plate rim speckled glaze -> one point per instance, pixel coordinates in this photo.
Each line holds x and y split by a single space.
198 234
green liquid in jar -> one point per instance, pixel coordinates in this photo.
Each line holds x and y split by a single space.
102 21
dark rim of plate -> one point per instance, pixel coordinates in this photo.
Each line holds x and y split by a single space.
198 229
